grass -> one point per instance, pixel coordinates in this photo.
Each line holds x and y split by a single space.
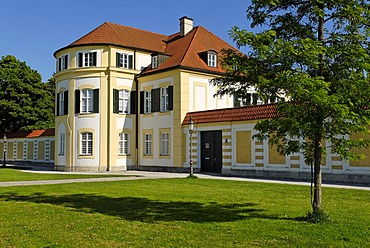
179 213
11 174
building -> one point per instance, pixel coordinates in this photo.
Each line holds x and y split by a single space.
125 98
123 93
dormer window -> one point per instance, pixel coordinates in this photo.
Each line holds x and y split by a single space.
212 60
155 61
158 59
209 57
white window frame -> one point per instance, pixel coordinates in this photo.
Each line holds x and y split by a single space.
164 99
86 143
155 62
147 101
123 144
165 144
87 101
148 144
124 102
87 57
62 142
124 60
63 62
61 103
212 58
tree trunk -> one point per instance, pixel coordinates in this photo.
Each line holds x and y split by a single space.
316 204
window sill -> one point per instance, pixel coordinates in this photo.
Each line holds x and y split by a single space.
165 113
86 115
148 114
85 156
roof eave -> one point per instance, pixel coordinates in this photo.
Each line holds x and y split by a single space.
180 67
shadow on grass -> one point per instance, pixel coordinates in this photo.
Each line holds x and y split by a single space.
146 210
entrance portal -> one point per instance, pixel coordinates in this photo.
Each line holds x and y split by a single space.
211 151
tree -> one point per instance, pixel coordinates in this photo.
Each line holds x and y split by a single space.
25 102
316 54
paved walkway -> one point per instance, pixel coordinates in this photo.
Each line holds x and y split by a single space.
139 175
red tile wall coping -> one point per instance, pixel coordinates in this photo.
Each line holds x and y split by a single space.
253 112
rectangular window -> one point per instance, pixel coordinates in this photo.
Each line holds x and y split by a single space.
164 99
165 143
86 59
147 144
124 101
61 103
124 60
86 101
147 101
63 62
123 144
155 62
62 142
212 58
86 143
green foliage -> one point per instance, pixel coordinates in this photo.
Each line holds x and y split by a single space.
25 102
316 54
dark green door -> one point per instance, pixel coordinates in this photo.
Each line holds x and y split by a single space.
211 151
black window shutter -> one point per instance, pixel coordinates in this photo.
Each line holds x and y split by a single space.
66 102
133 102
94 58
156 100
80 59
115 101
58 99
170 97
66 61
77 101
236 101
59 64
255 98
248 97
118 55
141 102
130 61
96 101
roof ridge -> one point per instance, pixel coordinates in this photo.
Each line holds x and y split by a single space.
191 41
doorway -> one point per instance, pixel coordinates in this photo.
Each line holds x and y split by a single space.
211 151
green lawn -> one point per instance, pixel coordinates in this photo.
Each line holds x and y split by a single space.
10 174
179 213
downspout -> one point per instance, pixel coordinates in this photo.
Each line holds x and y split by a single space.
136 117
109 109
137 125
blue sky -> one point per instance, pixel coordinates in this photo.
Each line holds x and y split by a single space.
33 30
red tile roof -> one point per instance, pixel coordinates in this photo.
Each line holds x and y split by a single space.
253 112
29 134
184 51
115 34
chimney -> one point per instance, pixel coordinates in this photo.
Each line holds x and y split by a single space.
186 25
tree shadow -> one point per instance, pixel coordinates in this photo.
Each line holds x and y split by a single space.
147 210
